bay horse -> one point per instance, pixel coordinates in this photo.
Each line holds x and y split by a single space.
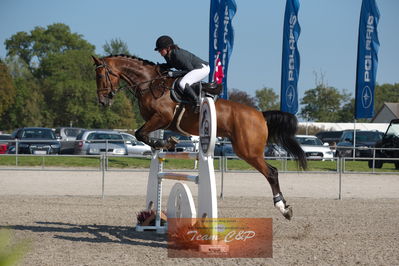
247 128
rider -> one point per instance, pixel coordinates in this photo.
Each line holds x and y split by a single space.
181 59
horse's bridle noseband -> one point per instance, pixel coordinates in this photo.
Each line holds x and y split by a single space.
108 71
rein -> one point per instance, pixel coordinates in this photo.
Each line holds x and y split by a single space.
133 89
138 93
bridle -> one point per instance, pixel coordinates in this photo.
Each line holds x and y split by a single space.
133 89
108 72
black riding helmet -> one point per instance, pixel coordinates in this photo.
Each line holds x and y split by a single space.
163 42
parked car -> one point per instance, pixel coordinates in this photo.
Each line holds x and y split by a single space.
95 142
67 137
223 147
4 139
390 140
34 140
275 150
314 148
364 141
185 143
332 137
135 147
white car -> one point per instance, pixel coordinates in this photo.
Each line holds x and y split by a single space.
135 147
314 148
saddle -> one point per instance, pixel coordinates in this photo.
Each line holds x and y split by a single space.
208 89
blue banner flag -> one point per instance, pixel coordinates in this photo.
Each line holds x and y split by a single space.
367 59
221 38
290 59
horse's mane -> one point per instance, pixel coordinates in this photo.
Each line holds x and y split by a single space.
132 57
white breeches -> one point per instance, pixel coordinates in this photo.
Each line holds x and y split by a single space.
194 76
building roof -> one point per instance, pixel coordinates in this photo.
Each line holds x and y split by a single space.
392 108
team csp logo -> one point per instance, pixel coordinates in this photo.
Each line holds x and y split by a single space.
367 97
290 96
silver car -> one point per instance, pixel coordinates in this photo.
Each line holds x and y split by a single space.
67 137
94 142
135 147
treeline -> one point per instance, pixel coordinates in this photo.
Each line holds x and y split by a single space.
48 79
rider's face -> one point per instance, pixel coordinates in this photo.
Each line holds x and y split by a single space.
164 51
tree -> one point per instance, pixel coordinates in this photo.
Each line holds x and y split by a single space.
386 93
116 46
60 85
70 92
28 108
7 89
267 99
346 114
41 42
323 104
239 96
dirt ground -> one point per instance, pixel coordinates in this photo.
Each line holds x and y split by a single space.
66 222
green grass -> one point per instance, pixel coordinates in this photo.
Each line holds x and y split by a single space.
282 165
362 166
181 164
52 161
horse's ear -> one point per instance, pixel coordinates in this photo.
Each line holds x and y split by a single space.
96 60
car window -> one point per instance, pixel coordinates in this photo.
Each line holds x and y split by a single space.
3 137
329 134
38 134
393 131
17 134
80 135
347 136
72 132
104 136
368 136
129 138
309 141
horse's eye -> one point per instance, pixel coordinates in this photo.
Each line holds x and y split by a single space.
99 76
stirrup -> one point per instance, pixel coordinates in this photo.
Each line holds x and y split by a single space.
212 88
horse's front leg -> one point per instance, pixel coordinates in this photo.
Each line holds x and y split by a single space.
156 122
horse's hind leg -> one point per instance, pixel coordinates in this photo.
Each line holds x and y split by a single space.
271 174
278 198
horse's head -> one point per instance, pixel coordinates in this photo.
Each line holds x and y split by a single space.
107 81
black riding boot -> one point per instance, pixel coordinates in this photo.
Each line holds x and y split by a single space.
192 96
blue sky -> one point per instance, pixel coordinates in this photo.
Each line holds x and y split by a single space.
327 43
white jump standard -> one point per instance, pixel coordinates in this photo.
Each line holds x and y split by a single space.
180 202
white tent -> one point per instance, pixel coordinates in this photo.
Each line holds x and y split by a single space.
344 126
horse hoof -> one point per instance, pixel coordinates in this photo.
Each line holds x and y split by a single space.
288 213
171 143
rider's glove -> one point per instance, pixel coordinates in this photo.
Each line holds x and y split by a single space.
170 74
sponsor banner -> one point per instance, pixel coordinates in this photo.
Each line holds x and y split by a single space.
290 59
221 38
367 59
220 238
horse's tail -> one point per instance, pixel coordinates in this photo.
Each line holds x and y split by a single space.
282 127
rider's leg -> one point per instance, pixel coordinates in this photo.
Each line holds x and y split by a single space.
192 77
190 93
